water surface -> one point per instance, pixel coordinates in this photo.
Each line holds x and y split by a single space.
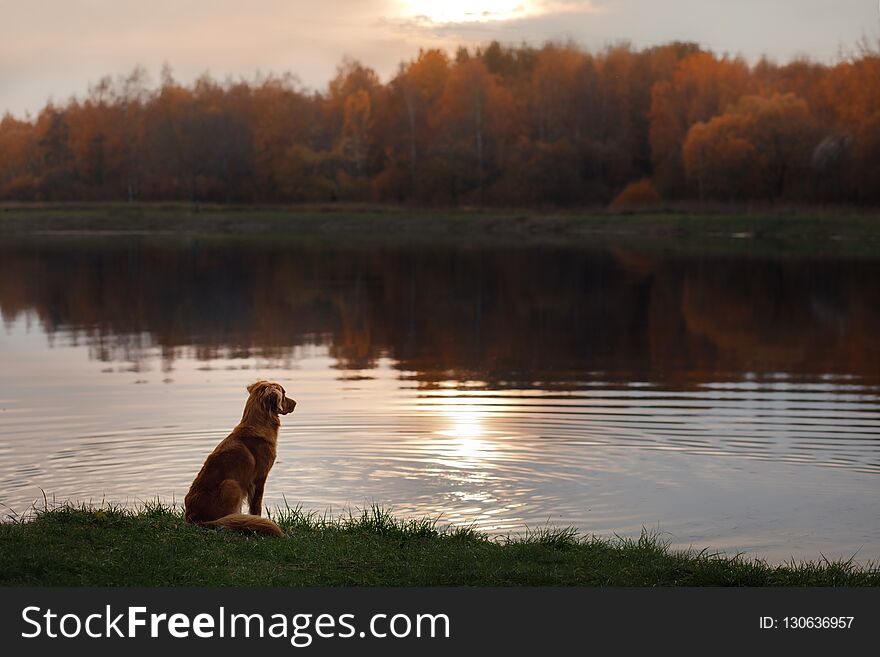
728 401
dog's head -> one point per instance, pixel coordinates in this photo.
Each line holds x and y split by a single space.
272 397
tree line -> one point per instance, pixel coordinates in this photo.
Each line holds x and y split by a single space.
496 125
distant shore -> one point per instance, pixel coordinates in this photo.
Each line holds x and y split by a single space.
821 228
153 546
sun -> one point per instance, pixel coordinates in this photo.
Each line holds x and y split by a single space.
466 11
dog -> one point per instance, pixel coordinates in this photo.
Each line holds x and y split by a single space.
237 468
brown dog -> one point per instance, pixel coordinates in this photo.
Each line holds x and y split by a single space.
238 466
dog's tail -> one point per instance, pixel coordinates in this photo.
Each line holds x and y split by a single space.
243 522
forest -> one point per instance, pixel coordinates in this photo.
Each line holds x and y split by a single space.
499 125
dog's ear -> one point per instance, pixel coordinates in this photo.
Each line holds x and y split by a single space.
279 401
274 399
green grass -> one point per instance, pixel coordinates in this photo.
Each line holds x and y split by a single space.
729 228
153 546
740 223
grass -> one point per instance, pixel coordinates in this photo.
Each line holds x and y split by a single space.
727 227
153 546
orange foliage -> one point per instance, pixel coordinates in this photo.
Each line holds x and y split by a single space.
700 88
640 194
758 147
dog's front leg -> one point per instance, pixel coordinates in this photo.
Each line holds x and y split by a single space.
255 497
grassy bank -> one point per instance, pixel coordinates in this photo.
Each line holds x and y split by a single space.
734 227
154 547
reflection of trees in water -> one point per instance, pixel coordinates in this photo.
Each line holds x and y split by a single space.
503 314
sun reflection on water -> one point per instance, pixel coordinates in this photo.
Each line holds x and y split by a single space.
465 421
465 426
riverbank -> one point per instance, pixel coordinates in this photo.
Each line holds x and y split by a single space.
797 229
153 546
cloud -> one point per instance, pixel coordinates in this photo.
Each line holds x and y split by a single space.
447 24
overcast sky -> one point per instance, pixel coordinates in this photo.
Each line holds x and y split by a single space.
56 48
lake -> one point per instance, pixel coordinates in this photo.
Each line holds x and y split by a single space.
727 400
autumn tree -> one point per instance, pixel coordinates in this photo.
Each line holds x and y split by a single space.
53 155
469 119
18 163
760 147
349 124
412 95
701 88
866 160
131 96
285 124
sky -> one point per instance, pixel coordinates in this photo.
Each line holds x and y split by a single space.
53 49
